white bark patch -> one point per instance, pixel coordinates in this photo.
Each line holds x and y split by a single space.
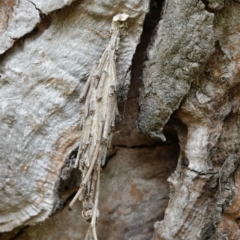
17 18
196 149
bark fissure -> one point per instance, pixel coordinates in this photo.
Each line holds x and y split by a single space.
130 108
203 173
39 10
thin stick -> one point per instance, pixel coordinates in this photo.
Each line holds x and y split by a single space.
96 31
87 84
92 165
95 209
104 154
88 99
101 84
84 190
91 107
84 181
85 138
78 155
94 144
109 142
111 90
108 120
100 131
101 64
88 234
93 185
114 117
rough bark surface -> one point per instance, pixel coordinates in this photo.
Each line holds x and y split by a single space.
188 72
41 79
205 183
183 42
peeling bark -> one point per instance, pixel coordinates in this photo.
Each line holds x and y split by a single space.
17 18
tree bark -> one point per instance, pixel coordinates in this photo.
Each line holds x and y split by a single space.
174 158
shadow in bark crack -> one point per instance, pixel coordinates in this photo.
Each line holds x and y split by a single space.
126 129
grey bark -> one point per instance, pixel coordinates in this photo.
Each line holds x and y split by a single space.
183 42
204 191
188 114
